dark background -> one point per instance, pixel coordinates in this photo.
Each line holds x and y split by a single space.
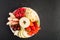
48 11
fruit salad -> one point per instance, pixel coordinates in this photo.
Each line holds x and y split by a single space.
24 22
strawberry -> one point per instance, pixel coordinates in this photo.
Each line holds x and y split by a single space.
38 28
35 31
31 24
28 29
30 33
32 27
35 24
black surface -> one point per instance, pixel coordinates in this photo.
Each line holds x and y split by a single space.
49 13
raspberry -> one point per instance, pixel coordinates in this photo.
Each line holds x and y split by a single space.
35 24
20 12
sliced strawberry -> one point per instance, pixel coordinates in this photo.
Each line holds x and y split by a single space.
31 24
30 33
28 29
35 24
37 29
34 32
32 27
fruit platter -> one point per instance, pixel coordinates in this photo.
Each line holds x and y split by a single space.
24 22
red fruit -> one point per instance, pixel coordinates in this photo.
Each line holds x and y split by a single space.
16 12
35 24
28 29
30 33
18 28
15 27
20 12
32 27
37 28
21 15
17 16
35 32
31 24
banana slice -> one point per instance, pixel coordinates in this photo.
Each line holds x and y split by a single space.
20 34
31 14
25 34
26 20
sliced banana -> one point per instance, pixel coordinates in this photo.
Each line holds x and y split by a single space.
20 34
25 34
31 14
